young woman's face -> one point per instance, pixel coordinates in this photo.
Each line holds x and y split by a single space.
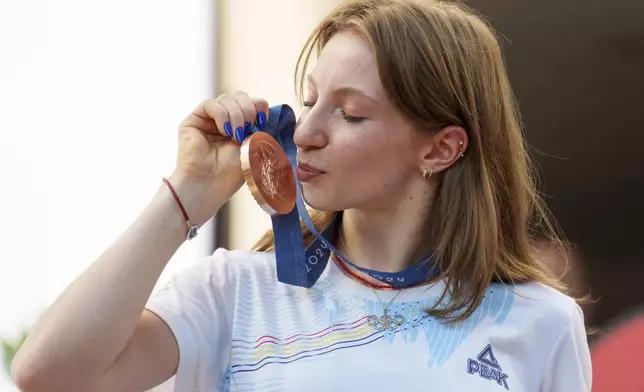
355 150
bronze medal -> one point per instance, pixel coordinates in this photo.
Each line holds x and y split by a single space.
268 173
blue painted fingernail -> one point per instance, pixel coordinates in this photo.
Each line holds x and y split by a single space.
255 129
228 129
239 133
247 128
261 120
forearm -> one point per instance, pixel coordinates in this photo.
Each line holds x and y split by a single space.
87 327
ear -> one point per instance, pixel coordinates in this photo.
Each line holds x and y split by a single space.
443 149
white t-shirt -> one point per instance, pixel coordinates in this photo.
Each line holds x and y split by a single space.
239 329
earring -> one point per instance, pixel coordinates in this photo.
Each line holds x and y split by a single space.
427 173
460 150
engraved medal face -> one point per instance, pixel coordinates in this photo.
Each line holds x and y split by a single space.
268 173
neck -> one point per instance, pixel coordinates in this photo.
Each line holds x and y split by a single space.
388 239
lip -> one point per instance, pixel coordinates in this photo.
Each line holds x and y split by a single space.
307 172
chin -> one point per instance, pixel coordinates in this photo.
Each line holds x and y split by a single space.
317 198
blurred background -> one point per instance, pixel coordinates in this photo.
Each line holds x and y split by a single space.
91 94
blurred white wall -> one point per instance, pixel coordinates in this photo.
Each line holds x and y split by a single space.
91 94
260 43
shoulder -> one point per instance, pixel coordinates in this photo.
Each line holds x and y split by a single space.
558 333
242 264
244 258
226 270
224 261
532 310
220 273
546 317
551 325
538 313
545 304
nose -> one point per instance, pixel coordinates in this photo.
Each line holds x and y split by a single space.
310 132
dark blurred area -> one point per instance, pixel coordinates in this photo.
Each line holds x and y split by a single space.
577 67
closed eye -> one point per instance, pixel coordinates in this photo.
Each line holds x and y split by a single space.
350 119
345 116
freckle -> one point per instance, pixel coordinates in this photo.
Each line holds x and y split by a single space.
386 185
411 198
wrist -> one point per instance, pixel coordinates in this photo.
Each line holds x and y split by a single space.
194 195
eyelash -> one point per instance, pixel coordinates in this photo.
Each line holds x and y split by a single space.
350 119
345 116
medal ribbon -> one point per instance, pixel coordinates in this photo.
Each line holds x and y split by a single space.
302 267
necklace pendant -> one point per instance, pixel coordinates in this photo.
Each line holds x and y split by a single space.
386 322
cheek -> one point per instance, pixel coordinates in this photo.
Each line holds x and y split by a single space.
372 160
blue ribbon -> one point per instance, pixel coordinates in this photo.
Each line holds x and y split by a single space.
303 267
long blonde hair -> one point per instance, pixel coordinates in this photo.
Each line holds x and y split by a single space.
441 65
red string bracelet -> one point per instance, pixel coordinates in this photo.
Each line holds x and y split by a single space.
192 229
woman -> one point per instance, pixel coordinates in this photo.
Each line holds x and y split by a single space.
410 128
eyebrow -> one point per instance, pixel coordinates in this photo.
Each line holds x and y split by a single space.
346 90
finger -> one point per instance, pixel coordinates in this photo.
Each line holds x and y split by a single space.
248 109
261 107
217 112
199 119
208 118
234 114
